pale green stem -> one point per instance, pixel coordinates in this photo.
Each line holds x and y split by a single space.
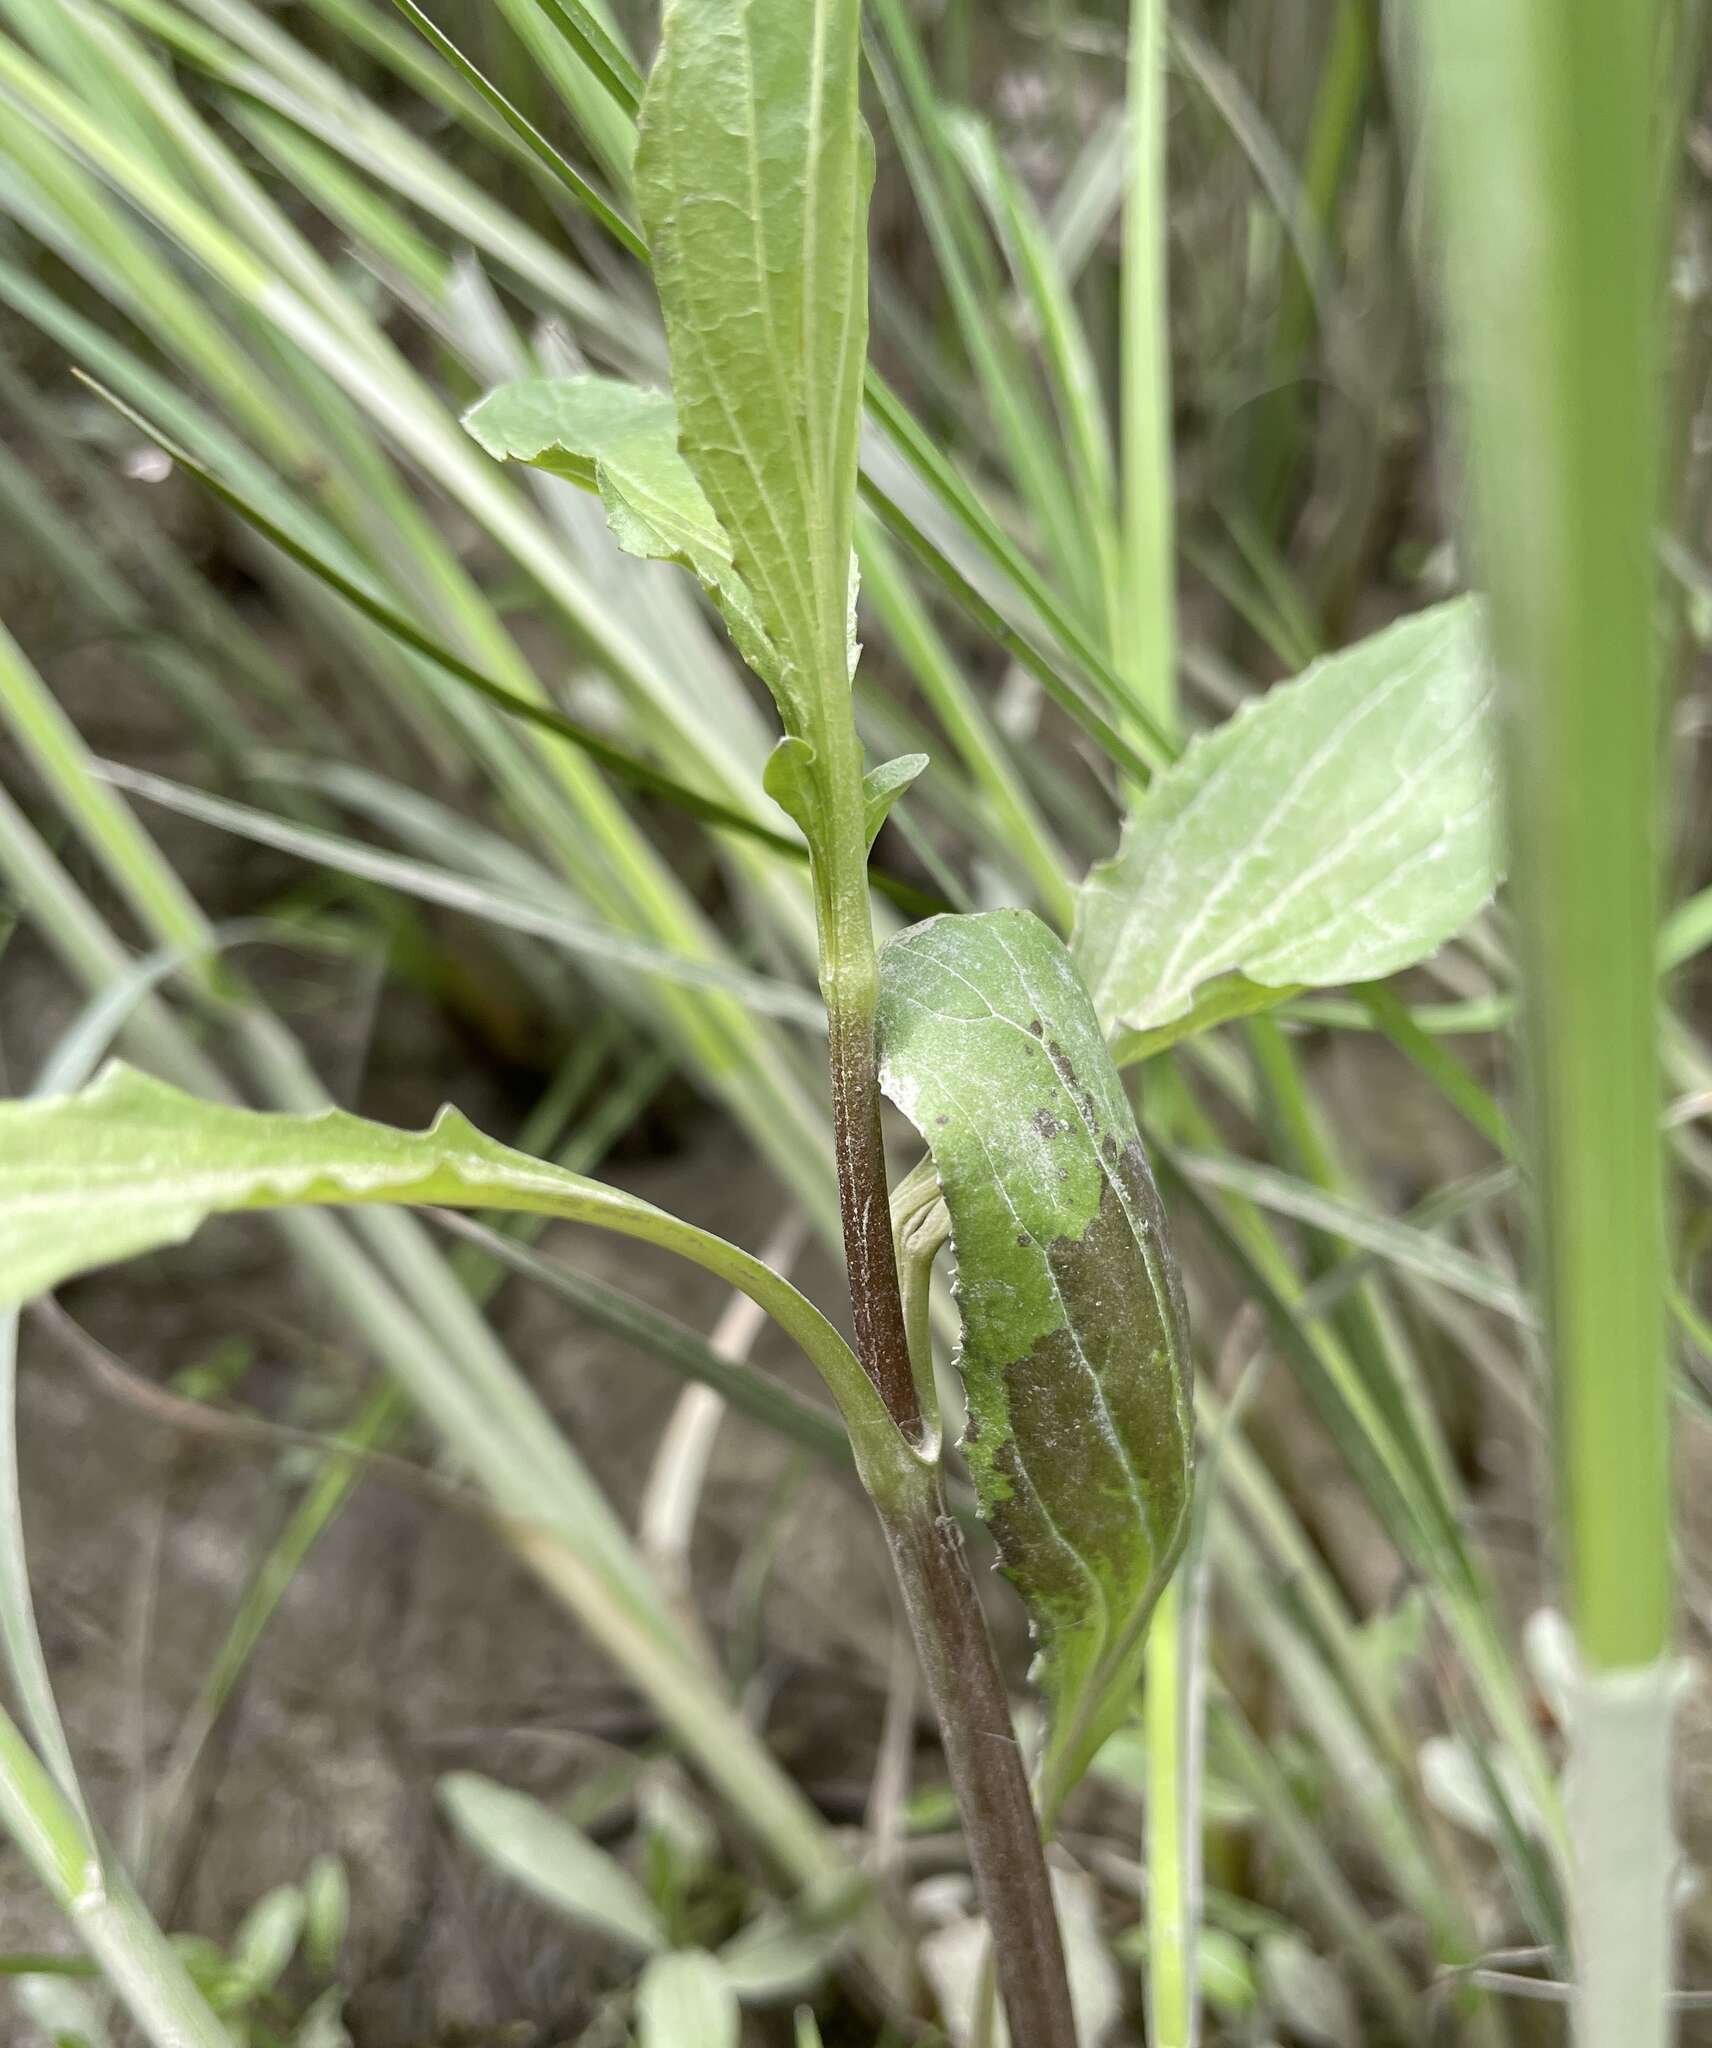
1147 657
1545 141
135 1957
1172 2004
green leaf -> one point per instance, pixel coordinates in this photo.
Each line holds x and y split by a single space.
572 426
1338 829
780 1956
788 778
552 1859
621 441
326 1914
1219 1002
266 1941
1075 1350
683 2001
882 786
753 172
128 1165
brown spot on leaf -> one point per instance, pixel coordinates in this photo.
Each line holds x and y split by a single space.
1048 1125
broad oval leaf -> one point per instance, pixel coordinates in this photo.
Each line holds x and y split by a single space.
1075 1353
545 1854
621 441
753 171
1338 829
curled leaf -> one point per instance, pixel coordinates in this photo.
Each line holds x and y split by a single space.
882 786
1075 1338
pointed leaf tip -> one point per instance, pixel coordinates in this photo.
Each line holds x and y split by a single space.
883 786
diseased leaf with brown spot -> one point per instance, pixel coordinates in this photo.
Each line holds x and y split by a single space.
1075 1339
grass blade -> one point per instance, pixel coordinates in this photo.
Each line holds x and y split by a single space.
1546 153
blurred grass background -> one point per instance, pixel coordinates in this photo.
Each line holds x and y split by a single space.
1158 416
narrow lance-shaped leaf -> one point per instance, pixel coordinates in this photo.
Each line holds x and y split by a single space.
128 1165
1340 828
1075 1337
753 172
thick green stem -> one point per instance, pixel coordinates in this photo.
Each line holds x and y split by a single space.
1147 656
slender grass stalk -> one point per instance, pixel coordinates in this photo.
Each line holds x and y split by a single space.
1020 833
1340 107
973 281
563 172
137 1959
1147 655
1145 652
1066 352
1544 120
1173 1816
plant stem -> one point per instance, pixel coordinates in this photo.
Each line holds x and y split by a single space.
940 1601
1172 2005
986 1766
876 1305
